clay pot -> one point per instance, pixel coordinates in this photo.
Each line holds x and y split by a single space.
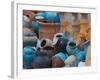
47 30
84 45
62 56
58 59
29 54
41 60
80 55
57 62
46 42
49 16
70 60
71 48
48 24
26 22
57 36
60 46
81 64
50 51
30 14
29 38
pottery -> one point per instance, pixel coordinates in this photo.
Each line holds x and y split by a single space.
57 62
26 22
29 54
35 27
72 49
80 55
84 45
70 59
81 64
30 14
60 46
46 42
49 16
57 36
50 51
47 30
62 56
48 24
29 38
41 60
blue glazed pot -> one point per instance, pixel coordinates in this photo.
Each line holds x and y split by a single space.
49 16
72 49
80 55
62 56
52 17
29 54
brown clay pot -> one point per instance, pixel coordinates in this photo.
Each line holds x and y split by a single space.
30 14
47 30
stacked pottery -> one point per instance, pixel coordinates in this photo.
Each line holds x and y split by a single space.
29 38
29 54
58 60
42 60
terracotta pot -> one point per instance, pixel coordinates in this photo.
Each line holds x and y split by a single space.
47 30
57 62
26 22
30 14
